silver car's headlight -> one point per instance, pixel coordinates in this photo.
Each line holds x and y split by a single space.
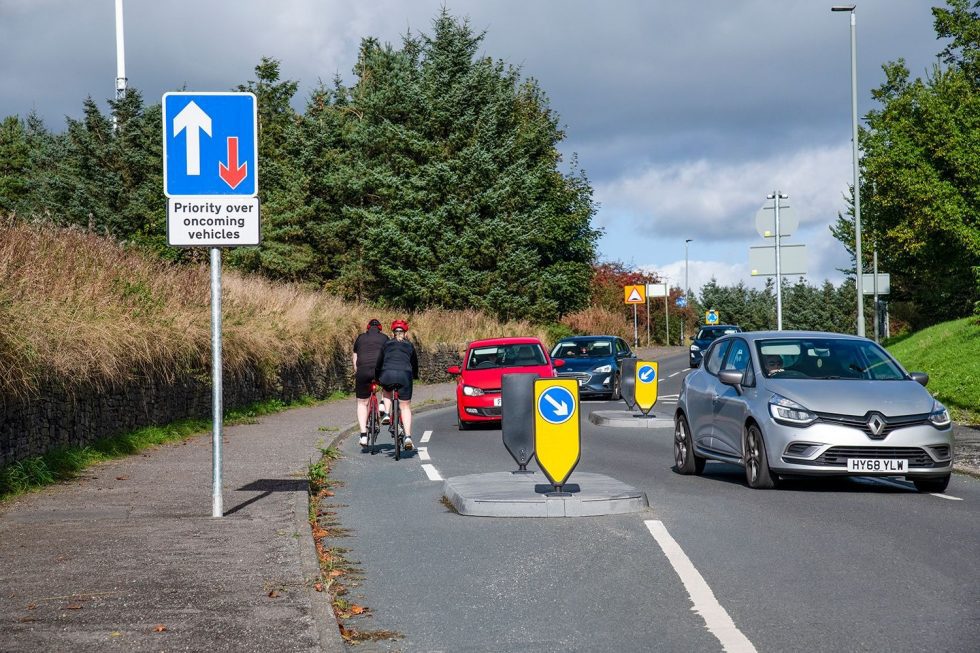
604 368
787 411
939 415
471 391
695 348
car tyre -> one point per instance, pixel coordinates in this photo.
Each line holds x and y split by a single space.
463 426
757 472
685 460
617 392
931 485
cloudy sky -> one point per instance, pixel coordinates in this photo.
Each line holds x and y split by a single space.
684 115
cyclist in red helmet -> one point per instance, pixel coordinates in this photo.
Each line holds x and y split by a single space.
367 348
399 364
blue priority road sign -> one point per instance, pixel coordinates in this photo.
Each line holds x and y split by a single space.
556 405
210 144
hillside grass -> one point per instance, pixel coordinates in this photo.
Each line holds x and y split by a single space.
77 307
950 354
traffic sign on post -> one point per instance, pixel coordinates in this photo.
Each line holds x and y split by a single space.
711 317
647 380
210 169
557 429
635 294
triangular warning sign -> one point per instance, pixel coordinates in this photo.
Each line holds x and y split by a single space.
635 297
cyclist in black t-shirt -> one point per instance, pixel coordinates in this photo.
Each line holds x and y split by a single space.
399 364
367 348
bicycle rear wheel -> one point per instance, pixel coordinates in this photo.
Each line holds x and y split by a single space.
396 422
374 422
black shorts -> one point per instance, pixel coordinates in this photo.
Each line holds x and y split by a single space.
362 383
390 378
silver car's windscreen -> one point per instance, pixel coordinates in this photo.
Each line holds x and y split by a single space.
826 358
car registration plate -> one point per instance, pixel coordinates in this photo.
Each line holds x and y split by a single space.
879 465
496 401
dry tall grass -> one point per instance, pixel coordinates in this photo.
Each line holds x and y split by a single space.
596 319
79 308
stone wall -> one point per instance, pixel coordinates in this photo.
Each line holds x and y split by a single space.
58 416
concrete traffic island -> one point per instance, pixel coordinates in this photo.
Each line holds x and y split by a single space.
631 419
508 494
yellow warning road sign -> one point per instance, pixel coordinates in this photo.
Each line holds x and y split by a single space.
711 317
557 430
647 380
635 294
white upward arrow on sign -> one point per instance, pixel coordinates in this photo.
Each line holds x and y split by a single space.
193 119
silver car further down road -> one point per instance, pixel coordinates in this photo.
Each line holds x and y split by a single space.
801 403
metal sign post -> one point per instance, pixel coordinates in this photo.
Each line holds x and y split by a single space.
210 178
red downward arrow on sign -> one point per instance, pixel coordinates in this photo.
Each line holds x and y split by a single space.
233 174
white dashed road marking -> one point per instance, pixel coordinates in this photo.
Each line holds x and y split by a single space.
431 472
424 453
425 436
715 617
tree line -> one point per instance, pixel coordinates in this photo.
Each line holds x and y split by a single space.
434 179
920 178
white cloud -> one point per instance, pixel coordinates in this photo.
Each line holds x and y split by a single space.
717 200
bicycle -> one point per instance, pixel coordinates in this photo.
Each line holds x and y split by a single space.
374 419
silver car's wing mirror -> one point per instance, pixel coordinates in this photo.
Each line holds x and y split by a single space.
920 377
731 377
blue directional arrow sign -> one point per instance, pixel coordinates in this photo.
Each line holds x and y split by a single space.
647 374
556 405
210 144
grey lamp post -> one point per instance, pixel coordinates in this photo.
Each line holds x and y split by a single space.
687 286
859 280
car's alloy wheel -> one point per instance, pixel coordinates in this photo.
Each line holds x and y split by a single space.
685 460
616 394
931 485
757 472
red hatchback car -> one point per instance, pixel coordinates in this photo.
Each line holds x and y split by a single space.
486 361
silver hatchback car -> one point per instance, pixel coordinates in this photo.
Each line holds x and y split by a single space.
803 403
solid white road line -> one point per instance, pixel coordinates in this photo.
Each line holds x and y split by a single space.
715 617
675 374
425 436
906 486
423 453
432 472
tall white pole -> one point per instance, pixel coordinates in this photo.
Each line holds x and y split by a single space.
779 273
120 59
120 53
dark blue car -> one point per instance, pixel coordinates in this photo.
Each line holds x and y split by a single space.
596 361
707 335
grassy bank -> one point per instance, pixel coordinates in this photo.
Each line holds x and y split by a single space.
78 307
950 354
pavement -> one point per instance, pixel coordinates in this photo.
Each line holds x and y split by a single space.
128 558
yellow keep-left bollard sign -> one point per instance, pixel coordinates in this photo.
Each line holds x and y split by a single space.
647 379
557 429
